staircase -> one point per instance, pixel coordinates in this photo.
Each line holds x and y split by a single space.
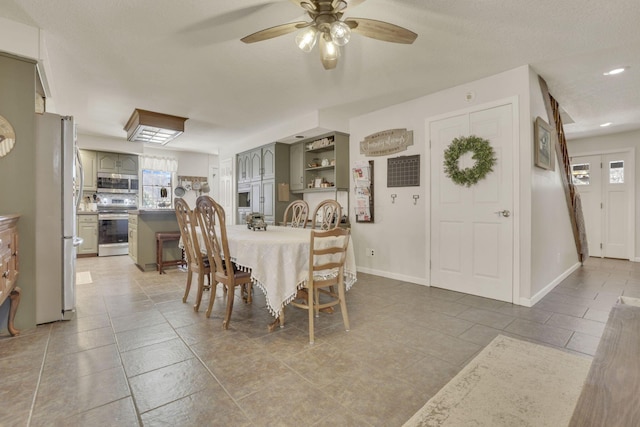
571 194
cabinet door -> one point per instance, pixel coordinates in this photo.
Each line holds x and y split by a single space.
107 162
269 162
89 164
255 165
255 196
268 201
128 164
133 243
89 233
296 166
243 167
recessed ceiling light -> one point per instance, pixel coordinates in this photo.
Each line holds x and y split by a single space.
604 125
615 71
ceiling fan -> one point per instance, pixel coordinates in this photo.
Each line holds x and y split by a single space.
329 30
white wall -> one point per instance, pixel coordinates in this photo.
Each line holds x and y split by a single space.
612 142
553 249
400 233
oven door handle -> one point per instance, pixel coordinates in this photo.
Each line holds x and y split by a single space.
112 216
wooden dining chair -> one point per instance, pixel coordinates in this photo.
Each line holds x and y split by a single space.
327 215
211 218
196 262
299 213
327 254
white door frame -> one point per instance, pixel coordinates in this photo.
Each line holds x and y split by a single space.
513 100
631 224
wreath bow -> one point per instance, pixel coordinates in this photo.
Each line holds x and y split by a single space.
483 154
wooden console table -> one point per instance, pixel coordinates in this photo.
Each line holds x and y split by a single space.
9 267
610 394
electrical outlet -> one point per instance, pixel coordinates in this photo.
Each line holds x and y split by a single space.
370 252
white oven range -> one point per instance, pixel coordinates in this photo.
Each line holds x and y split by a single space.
113 224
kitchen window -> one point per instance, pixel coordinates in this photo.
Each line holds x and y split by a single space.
158 176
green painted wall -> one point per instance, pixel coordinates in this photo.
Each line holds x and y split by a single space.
17 174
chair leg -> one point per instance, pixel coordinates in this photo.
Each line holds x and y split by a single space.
196 307
188 287
343 306
312 294
227 315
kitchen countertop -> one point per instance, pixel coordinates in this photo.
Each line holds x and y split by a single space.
152 211
87 212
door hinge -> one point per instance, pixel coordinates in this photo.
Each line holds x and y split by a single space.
429 144
601 205
600 245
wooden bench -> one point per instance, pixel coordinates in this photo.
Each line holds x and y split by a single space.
161 238
610 394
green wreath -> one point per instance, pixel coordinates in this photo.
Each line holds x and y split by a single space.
483 154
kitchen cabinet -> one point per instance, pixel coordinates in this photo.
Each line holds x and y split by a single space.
133 237
89 168
125 164
267 167
88 230
143 226
243 168
296 166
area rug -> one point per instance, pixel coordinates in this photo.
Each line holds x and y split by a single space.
509 383
83 278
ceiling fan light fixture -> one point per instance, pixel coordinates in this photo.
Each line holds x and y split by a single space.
329 52
340 33
306 38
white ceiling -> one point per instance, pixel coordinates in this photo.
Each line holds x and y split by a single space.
185 58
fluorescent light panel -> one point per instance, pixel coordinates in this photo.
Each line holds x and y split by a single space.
154 128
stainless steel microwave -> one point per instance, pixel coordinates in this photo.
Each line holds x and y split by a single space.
117 183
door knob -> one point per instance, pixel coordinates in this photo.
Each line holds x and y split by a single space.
505 213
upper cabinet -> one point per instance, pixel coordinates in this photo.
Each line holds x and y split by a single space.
126 164
243 168
260 171
326 163
89 164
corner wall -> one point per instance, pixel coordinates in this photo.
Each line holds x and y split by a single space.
553 250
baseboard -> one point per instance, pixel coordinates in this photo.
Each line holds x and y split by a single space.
530 302
636 259
396 276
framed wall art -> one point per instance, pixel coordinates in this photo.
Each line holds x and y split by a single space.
543 146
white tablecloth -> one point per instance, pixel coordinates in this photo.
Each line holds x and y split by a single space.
278 259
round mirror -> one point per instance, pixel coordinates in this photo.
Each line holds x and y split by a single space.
7 137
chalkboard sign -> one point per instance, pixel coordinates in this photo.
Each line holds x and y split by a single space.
403 171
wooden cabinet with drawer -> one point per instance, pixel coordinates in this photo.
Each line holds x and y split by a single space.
88 231
9 267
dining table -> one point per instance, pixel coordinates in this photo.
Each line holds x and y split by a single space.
278 259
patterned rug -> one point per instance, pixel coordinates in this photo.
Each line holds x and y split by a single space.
83 278
509 383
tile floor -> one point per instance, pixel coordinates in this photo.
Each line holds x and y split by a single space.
136 355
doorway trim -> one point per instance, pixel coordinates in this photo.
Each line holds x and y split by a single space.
516 167
631 151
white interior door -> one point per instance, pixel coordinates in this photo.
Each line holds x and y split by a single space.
472 227
603 182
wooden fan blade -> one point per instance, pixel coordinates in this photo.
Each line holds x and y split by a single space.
278 30
381 30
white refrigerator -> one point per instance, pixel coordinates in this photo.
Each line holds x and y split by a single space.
57 196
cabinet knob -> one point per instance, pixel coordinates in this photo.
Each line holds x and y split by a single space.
5 274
